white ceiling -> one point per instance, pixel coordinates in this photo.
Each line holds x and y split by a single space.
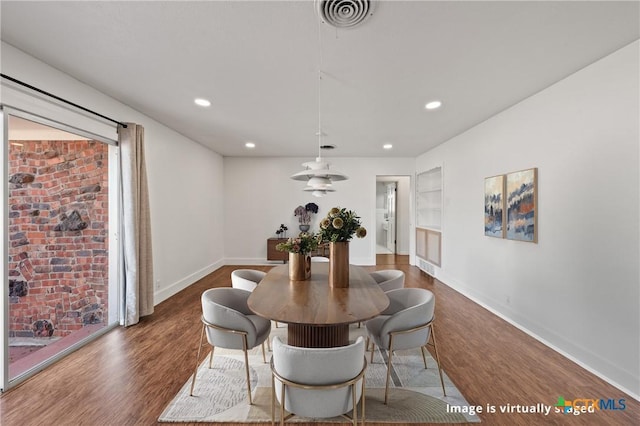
258 64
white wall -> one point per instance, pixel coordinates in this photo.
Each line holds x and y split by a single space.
381 196
185 179
578 288
404 215
259 196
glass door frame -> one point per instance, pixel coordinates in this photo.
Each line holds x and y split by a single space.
115 258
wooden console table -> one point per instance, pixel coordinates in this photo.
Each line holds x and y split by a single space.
272 253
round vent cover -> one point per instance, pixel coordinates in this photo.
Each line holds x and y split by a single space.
344 13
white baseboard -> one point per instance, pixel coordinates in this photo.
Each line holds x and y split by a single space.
461 289
165 293
250 261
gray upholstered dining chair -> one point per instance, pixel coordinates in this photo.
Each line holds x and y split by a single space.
246 279
228 323
406 323
389 279
318 382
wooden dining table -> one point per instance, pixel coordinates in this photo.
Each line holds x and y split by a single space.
317 315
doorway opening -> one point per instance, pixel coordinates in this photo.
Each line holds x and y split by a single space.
392 219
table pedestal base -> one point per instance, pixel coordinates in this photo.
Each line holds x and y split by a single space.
314 336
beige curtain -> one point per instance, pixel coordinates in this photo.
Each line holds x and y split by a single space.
136 226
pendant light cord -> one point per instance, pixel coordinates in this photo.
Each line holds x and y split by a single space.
319 88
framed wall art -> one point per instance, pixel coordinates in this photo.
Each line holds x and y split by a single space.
522 205
494 206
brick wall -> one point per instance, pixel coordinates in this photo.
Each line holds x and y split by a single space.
58 236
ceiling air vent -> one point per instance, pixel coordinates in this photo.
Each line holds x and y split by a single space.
344 13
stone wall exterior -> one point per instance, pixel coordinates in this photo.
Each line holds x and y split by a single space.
58 236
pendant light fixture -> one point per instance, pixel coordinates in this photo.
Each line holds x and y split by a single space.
317 174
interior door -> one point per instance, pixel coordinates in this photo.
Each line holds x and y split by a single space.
391 216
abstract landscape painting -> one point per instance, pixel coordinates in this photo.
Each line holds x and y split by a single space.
522 200
494 206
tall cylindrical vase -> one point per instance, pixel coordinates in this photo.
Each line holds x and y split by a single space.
299 266
339 264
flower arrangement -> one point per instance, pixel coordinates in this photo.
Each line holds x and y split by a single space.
311 207
304 213
282 231
303 243
340 225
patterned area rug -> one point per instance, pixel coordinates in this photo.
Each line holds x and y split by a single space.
220 394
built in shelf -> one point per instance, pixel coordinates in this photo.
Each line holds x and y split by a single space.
429 216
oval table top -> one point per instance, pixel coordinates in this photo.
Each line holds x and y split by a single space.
314 302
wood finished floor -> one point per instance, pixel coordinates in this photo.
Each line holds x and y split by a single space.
128 376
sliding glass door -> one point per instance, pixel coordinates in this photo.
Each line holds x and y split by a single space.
60 222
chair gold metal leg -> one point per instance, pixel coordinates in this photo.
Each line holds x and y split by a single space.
246 365
363 399
283 399
424 358
273 399
213 348
386 387
269 343
373 349
195 371
264 359
355 408
435 349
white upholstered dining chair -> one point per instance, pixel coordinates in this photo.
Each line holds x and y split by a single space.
389 279
246 279
406 323
318 382
228 323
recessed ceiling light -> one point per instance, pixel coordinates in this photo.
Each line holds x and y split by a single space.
387 146
202 102
433 105
250 145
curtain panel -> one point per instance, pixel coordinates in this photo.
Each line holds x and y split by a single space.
136 226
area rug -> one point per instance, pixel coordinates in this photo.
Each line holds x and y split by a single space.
220 394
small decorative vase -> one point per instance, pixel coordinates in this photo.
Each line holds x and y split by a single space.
299 266
304 228
339 264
